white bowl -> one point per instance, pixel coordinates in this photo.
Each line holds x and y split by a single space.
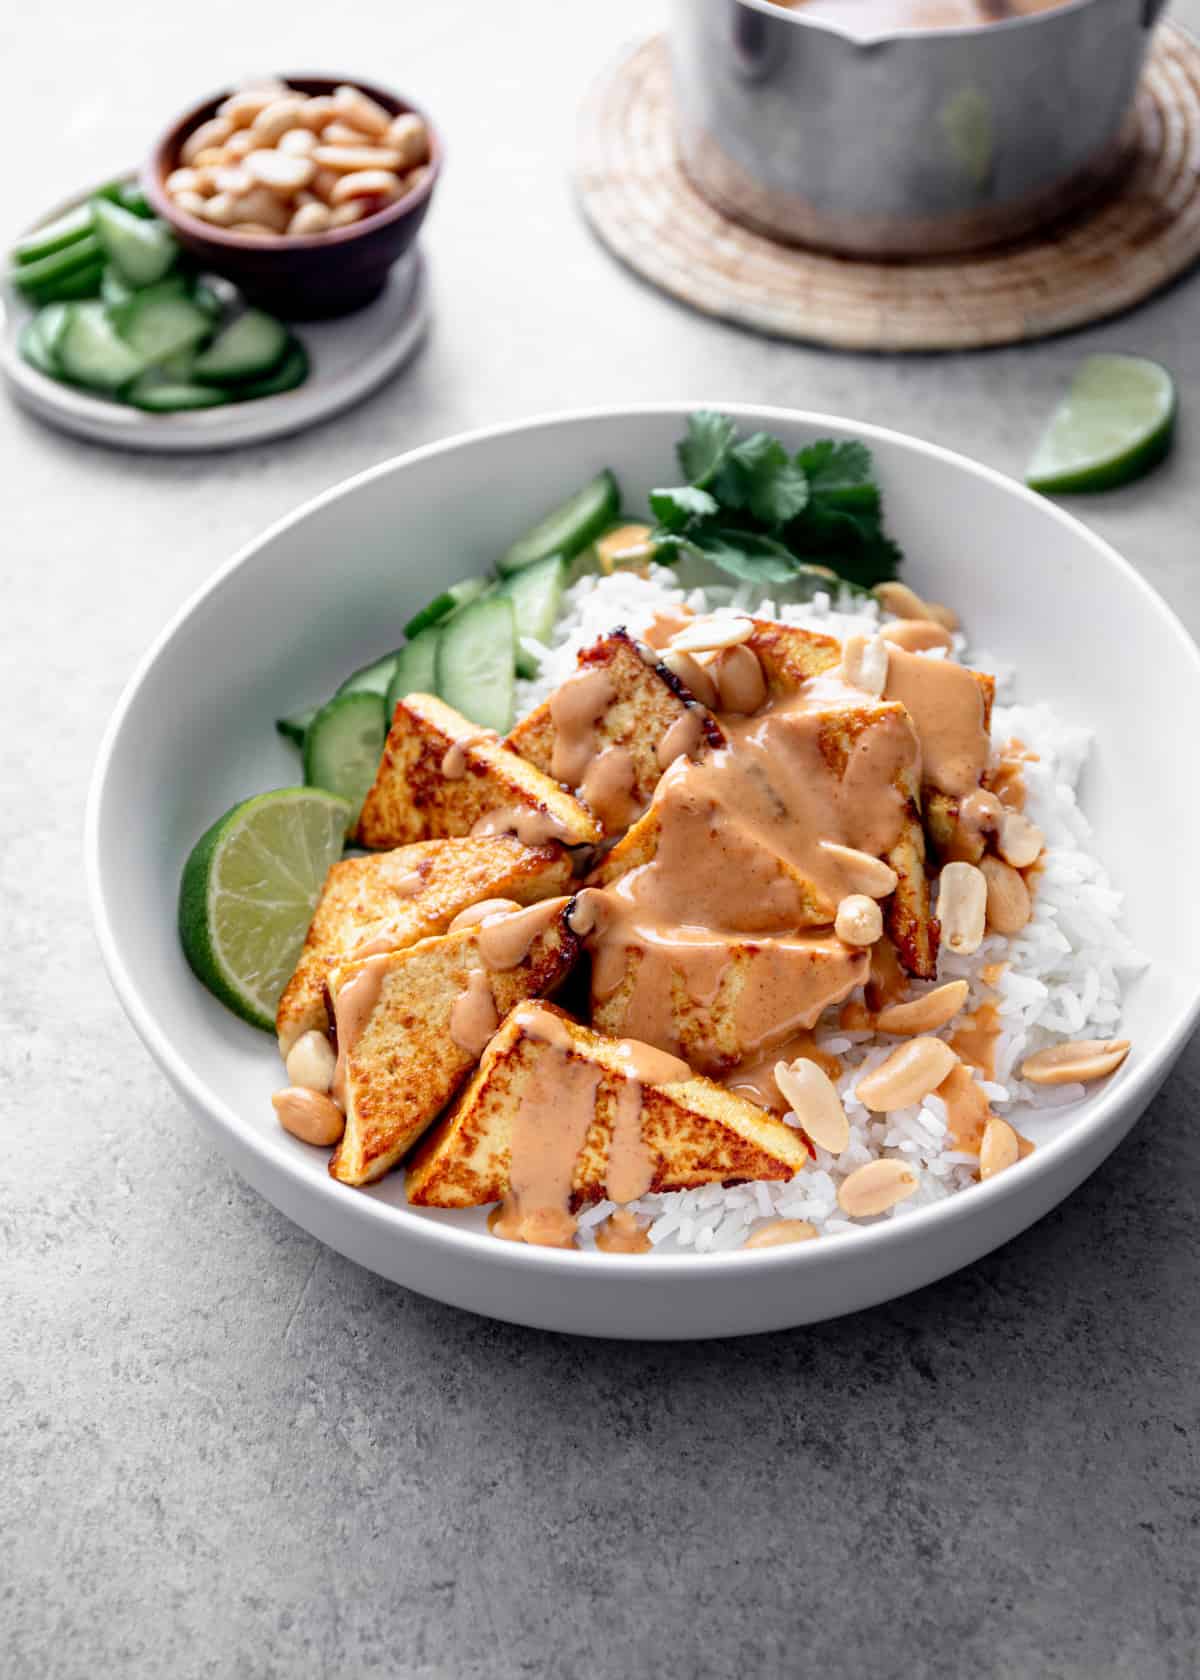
326 589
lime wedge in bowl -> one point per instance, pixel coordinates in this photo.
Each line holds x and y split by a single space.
249 890
1115 423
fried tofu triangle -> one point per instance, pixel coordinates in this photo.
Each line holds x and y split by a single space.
440 777
687 1132
406 895
408 1025
606 730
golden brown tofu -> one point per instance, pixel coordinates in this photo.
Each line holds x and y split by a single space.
607 749
694 1132
906 913
717 1001
406 895
401 1056
440 777
790 655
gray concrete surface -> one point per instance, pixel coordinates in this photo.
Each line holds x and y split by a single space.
225 1451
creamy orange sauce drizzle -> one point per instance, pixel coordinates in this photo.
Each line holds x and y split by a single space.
475 913
607 788
532 825
946 706
755 1080
887 982
504 940
352 1009
576 707
974 1039
630 1169
473 1017
1006 778
681 740
621 1233
666 623
967 1109
454 759
741 851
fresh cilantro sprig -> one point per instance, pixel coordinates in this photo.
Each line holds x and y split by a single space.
764 516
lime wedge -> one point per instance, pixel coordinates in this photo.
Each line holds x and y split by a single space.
249 890
1113 425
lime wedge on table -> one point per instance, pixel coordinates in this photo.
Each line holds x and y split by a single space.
1113 425
249 890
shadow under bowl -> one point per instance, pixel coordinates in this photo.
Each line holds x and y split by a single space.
298 277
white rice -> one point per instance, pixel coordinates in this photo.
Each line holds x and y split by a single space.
1063 975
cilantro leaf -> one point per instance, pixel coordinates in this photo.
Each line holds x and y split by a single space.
703 451
759 476
673 508
743 554
832 466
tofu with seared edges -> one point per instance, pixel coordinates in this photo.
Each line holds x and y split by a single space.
695 1132
406 895
440 777
405 1063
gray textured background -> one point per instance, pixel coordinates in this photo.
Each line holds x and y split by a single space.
226 1451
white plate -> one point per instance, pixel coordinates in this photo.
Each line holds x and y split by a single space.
194 733
351 357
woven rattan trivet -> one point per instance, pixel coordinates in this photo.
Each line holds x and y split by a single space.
1107 258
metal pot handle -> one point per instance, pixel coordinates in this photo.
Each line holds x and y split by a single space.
1152 10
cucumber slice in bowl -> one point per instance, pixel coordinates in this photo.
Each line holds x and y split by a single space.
171 396
34 352
142 251
371 679
160 321
248 349
536 595
474 667
343 745
416 668
54 236
458 595
92 353
295 728
567 528
292 371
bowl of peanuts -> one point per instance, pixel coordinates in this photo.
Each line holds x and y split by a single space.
302 190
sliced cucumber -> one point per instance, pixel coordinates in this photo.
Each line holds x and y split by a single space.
159 322
458 595
373 678
54 236
343 744
135 201
474 669
204 297
49 272
84 283
91 352
115 290
34 351
416 668
292 371
171 396
567 528
249 348
143 251
536 595
295 728
178 368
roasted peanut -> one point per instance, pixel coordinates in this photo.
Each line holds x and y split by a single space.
962 907
210 135
282 173
366 183
706 635
781 1231
812 1097
408 134
1082 1060
908 1075
1009 905
1019 841
1000 1148
876 1187
925 1014
859 920
865 663
741 686
862 872
360 111
309 219
310 1062
309 1115
274 120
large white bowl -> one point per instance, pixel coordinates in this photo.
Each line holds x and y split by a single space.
325 590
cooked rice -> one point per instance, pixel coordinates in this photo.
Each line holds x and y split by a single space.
1063 976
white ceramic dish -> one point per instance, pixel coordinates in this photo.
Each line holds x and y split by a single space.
193 733
351 357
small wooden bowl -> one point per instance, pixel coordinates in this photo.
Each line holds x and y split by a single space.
299 277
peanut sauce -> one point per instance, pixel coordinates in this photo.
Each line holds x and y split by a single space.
755 1079
352 1009
620 1233
473 1017
504 940
946 705
454 759
607 788
576 707
531 824
681 740
740 861
1006 778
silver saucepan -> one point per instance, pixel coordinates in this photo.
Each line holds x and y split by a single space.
901 140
